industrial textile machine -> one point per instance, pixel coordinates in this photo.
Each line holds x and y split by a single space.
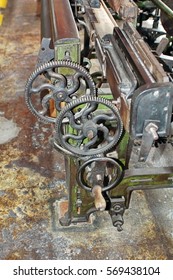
104 79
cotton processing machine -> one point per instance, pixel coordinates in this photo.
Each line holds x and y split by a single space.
104 80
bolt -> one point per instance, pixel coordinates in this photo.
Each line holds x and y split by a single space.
156 93
119 227
142 159
117 208
152 129
154 133
90 134
99 177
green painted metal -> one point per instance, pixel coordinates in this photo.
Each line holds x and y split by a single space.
66 47
145 4
141 182
161 5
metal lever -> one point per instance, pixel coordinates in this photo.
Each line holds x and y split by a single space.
99 200
149 135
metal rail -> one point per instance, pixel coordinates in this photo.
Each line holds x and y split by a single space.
58 31
62 20
165 8
46 31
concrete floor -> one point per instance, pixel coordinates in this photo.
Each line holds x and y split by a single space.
32 176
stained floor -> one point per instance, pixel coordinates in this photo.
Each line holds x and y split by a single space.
32 175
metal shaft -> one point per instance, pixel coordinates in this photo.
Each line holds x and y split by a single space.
45 20
63 20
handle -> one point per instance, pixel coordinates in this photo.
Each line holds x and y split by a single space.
99 200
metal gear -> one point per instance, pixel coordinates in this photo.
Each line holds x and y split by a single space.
88 126
49 85
103 171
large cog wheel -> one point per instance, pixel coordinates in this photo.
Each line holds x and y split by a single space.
56 83
88 126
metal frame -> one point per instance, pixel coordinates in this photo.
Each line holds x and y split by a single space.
136 80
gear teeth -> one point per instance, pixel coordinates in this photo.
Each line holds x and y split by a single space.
55 64
77 102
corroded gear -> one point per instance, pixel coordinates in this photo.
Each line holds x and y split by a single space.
57 83
88 126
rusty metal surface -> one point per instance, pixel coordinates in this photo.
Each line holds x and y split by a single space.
32 177
125 8
117 4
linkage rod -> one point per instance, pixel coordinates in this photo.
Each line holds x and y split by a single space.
45 20
161 5
63 20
